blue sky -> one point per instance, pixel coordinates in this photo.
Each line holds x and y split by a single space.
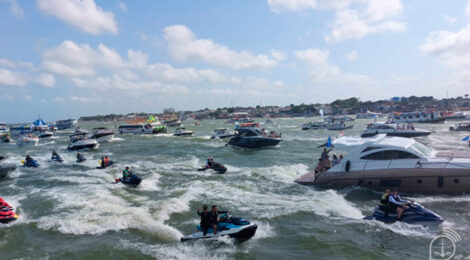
67 58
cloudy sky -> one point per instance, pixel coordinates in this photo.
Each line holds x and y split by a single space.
66 58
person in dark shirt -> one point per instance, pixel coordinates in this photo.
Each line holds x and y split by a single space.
206 220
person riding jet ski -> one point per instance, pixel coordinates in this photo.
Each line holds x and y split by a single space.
211 164
80 158
56 157
105 162
30 162
212 225
404 211
129 178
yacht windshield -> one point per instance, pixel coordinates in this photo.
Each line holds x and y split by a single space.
421 149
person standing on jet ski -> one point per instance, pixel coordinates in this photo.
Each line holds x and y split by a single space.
206 220
56 157
397 204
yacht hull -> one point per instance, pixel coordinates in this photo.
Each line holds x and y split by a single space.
399 134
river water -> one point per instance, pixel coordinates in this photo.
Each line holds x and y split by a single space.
70 211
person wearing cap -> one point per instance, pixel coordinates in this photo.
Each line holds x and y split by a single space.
396 203
126 173
206 220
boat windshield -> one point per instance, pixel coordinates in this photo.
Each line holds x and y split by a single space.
421 149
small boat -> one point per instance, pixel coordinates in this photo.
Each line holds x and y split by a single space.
27 139
222 133
181 131
460 127
65 124
238 229
102 134
81 141
173 123
79 130
44 134
269 121
254 138
5 169
152 126
417 117
415 214
314 126
338 126
392 129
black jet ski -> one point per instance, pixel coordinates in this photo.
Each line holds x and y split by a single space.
416 214
217 167
133 180
110 163
238 229
56 158
80 159
7 215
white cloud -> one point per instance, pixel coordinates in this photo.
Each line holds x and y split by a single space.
449 19
11 78
352 56
323 71
15 8
16 64
278 55
351 24
84 15
467 9
123 7
142 36
46 80
354 19
74 60
84 100
166 72
184 46
278 83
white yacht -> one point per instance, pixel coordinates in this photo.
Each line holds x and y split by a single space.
368 115
392 129
222 133
396 162
417 117
65 124
81 141
314 125
152 126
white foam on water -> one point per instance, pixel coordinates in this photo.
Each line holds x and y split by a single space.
460 199
149 182
403 229
264 230
284 173
116 139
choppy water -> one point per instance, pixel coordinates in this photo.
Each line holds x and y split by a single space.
71 211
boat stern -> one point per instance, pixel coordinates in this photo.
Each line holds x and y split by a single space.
306 179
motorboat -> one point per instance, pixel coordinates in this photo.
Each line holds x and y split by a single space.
65 124
240 120
418 117
238 229
269 121
5 169
27 139
415 214
397 162
392 129
44 134
79 130
246 125
456 115
181 131
314 126
102 134
152 126
81 141
3 128
460 127
339 118
254 138
222 133
368 115
338 126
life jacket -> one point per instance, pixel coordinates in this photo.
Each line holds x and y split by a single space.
106 160
384 202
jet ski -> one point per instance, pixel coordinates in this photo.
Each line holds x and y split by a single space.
415 214
238 229
80 158
30 164
133 180
7 215
110 163
217 167
56 158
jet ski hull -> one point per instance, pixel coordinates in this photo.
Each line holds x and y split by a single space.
416 215
5 169
7 215
133 181
239 234
109 165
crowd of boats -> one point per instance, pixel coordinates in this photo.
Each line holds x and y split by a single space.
388 158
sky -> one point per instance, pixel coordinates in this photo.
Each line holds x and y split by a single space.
70 58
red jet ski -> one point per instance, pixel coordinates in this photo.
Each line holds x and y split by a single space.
7 215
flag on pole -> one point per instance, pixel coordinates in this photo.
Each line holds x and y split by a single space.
328 143
466 138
